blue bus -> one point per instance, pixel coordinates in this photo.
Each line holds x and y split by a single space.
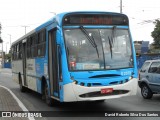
77 56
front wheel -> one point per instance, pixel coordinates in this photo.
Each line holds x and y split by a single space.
146 92
48 99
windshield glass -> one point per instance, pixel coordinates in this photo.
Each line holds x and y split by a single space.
112 51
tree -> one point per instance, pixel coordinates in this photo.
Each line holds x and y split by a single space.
156 35
0 28
8 57
1 41
0 34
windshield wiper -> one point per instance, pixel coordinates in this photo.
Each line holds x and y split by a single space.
112 39
110 46
90 39
113 34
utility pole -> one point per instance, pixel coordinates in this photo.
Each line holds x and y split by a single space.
120 6
2 55
6 47
10 39
25 27
1 41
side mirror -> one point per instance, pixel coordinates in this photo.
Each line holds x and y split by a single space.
142 70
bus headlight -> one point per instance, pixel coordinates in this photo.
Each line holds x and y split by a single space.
75 82
131 77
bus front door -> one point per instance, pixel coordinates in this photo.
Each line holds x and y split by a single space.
53 64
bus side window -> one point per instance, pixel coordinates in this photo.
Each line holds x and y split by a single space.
13 52
33 45
20 50
17 49
41 43
28 48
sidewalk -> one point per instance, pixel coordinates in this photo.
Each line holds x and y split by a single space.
5 70
8 103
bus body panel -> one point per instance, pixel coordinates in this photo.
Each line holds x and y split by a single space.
32 74
17 68
38 67
111 75
78 90
134 57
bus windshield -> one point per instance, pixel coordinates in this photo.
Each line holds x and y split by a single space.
113 48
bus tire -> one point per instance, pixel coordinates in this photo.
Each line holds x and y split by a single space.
48 99
22 88
100 101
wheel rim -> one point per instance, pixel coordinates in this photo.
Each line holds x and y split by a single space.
144 91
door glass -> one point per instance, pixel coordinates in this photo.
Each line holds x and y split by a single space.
144 67
154 68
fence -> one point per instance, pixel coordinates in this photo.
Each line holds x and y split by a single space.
7 65
143 57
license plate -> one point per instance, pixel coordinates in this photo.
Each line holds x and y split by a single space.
106 90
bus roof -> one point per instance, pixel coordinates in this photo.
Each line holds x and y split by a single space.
58 19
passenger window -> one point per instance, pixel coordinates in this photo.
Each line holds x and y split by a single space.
154 68
28 47
32 46
41 47
158 70
145 66
20 51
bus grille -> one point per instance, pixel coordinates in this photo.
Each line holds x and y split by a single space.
98 93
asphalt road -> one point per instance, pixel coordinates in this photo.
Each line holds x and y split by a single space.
33 102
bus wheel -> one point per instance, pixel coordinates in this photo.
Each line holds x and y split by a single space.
22 88
48 99
100 101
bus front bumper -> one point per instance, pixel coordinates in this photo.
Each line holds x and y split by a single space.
74 92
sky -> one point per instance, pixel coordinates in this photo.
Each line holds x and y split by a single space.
15 14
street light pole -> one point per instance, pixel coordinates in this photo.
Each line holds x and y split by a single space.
6 47
2 55
120 6
1 41
10 39
25 27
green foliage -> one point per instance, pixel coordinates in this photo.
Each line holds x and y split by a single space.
0 28
1 41
8 57
0 34
156 35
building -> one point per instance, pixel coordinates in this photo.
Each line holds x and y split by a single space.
141 47
143 54
1 57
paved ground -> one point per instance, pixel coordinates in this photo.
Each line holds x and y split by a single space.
8 103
